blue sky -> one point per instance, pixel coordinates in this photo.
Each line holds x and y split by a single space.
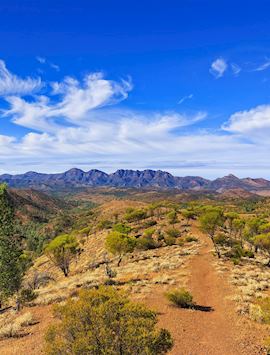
181 86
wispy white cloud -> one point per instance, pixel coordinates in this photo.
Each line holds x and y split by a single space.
263 66
73 101
54 66
218 67
43 60
11 84
184 98
236 69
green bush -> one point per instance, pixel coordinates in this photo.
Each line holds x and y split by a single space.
180 298
149 223
105 321
221 239
237 252
105 224
172 232
169 240
135 215
149 232
146 242
190 239
264 306
121 228
180 242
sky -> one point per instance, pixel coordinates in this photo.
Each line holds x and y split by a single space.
181 86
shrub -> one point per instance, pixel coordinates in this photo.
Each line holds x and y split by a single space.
146 242
27 295
121 228
10 330
13 328
105 321
105 224
180 298
172 232
149 223
191 239
237 252
267 345
221 239
149 232
172 217
169 240
263 310
180 242
135 215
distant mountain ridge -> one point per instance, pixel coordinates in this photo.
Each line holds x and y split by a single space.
76 178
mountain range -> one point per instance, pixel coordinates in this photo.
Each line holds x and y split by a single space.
76 178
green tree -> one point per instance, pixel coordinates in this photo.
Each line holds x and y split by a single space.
238 226
210 222
120 244
230 217
11 272
62 250
105 321
188 215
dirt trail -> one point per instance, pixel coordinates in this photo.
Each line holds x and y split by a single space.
214 328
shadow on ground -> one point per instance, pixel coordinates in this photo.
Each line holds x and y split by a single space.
197 307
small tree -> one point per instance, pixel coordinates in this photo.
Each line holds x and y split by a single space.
238 226
11 270
188 215
105 321
210 221
230 217
120 244
62 250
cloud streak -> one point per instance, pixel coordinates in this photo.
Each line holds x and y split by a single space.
11 84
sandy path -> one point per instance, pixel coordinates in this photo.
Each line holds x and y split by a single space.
208 332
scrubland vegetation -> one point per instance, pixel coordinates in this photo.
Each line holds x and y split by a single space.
98 254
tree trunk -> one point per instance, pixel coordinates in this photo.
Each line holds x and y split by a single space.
216 248
119 260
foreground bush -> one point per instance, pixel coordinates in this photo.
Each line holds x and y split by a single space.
104 321
180 298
